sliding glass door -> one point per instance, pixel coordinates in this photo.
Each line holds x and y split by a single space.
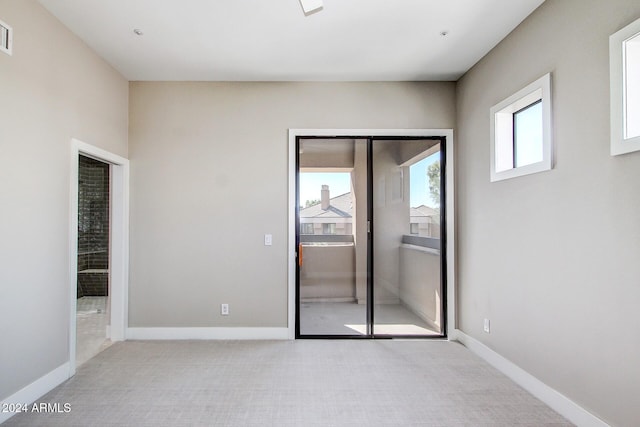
407 223
332 237
369 233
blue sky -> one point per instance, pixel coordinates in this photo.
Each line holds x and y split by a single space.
311 183
419 188
528 135
340 183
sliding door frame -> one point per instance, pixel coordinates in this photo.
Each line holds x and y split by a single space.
369 287
443 233
448 260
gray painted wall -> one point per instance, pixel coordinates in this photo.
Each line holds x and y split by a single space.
53 88
209 171
552 258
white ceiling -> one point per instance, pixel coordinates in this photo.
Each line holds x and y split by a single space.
272 40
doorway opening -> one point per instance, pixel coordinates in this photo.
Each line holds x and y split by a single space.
93 303
370 232
98 251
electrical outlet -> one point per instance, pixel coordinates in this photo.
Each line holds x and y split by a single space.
487 326
224 309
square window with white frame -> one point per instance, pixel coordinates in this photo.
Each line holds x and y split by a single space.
521 132
624 72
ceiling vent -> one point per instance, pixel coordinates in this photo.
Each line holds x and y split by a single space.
311 6
6 38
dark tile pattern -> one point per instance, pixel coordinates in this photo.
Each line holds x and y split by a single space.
93 227
93 284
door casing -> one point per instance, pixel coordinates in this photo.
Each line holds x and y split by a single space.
119 245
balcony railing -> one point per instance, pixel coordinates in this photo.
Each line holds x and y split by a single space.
326 238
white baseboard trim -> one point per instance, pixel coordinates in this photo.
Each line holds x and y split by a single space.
554 399
35 390
208 333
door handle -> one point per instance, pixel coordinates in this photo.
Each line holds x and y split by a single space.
300 255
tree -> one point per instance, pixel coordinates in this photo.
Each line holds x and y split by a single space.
433 174
311 202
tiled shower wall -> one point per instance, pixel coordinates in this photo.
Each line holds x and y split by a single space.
93 227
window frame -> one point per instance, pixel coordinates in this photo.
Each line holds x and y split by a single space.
618 95
307 225
417 228
502 138
327 228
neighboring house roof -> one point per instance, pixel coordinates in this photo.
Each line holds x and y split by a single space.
342 207
425 211
339 207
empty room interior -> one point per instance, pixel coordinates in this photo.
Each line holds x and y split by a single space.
320 212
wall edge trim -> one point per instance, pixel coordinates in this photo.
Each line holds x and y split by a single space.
550 396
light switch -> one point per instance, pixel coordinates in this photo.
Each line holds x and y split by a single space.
268 239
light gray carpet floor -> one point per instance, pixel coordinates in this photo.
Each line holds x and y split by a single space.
290 383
